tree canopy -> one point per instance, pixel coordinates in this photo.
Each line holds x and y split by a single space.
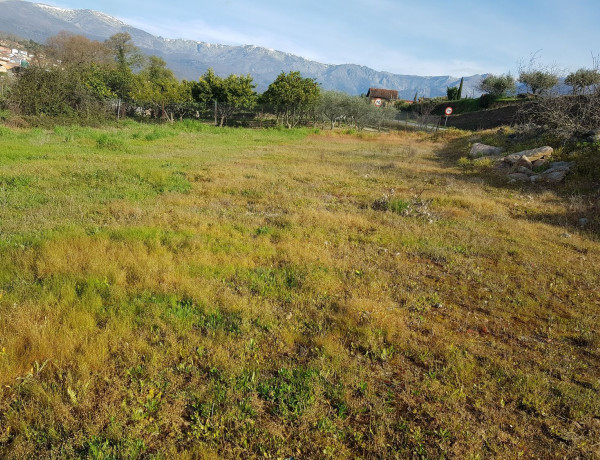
498 85
538 81
583 80
292 96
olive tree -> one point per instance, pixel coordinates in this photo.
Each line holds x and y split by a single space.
583 80
498 85
538 81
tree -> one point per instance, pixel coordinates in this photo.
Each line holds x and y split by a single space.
460 89
292 96
126 57
76 51
498 85
538 81
583 80
59 92
157 88
230 94
332 106
452 93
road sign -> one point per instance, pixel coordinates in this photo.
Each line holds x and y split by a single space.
448 111
377 102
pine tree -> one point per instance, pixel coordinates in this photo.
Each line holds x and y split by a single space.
460 88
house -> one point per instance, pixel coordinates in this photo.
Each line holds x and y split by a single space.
382 97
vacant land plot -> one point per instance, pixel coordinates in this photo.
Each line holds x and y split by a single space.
194 292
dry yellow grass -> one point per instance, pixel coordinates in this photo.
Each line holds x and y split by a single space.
193 292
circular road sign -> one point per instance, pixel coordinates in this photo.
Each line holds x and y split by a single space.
377 102
448 111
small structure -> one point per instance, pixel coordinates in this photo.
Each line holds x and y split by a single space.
382 97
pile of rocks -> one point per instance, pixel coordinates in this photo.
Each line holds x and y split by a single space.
533 165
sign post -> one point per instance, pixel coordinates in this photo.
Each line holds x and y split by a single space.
448 112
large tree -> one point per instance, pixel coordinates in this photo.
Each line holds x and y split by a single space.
126 57
292 96
156 88
498 85
538 81
583 80
76 51
229 94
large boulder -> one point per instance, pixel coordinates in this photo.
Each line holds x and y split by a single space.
554 177
531 155
556 173
539 153
524 161
480 150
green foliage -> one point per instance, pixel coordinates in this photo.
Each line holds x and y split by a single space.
583 80
498 85
538 81
231 94
452 93
157 89
293 97
460 88
289 391
56 92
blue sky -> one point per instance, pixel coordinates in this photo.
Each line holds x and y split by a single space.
417 37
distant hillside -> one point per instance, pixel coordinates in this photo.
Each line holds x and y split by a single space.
190 59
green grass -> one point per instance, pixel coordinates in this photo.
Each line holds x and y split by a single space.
188 291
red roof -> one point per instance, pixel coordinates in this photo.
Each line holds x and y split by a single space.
389 94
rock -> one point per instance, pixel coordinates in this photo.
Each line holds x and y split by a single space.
512 158
583 222
539 163
554 177
561 164
539 153
518 177
524 161
535 178
524 170
480 150
557 168
502 167
532 155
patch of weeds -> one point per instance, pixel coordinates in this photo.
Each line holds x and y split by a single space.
264 230
465 165
336 395
101 448
250 193
275 282
397 205
290 391
216 320
106 142
5 132
159 134
14 182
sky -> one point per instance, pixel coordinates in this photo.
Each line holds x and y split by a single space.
413 37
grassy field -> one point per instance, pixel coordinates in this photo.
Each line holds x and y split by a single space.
186 291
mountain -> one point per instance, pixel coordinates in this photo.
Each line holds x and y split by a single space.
189 59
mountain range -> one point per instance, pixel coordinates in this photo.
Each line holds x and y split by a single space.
189 59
